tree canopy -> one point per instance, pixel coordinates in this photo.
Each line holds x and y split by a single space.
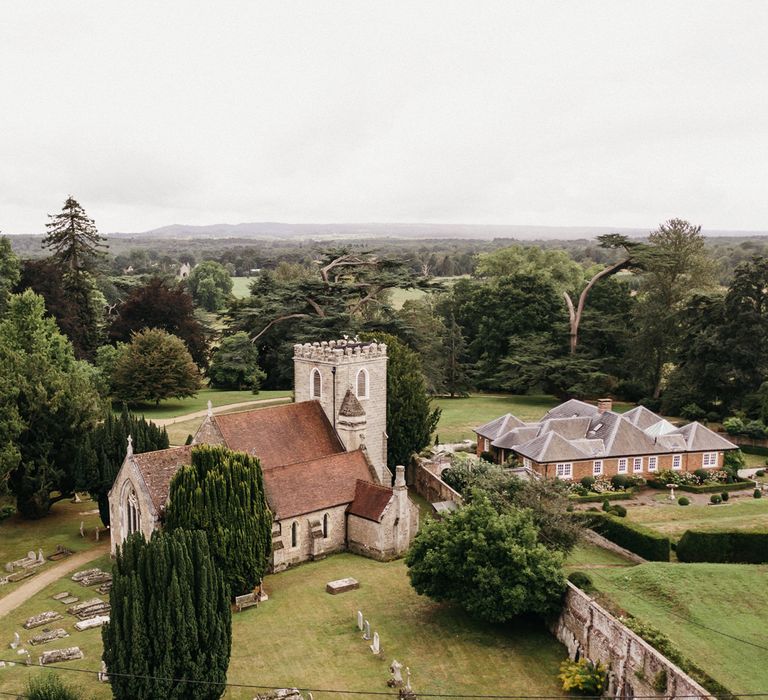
170 628
10 271
73 238
210 285
235 364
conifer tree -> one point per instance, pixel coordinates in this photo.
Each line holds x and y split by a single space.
222 493
170 629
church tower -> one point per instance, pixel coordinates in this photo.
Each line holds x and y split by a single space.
349 379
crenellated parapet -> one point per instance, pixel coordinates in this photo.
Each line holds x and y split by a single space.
339 351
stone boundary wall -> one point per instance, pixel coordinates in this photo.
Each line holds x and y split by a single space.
600 541
744 441
428 485
588 630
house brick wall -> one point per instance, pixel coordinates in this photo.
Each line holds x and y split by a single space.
348 360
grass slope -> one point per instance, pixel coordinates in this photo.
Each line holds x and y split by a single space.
742 512
587 556
729 598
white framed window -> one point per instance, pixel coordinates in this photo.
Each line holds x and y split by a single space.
637 464
527 463
597 467
622 468
564 470
361 384
709 459
653 463
486 445
677 461
316 384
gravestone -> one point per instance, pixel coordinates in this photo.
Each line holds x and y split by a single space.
396 669
360 620
91 622
42 619
40 557
103 676
82 528
9 567
367 631
80 575
45 637
342 585
70 599
61 596
55 656
376 646
31 555
16 640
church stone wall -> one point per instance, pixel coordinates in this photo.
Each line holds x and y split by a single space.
308 547
348 358
384 540
129 477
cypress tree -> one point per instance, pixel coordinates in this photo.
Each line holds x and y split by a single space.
170 621
222 493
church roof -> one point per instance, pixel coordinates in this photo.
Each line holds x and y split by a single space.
158 468
295 432
350 406
370 500
317 484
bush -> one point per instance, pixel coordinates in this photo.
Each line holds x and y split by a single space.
760 472
758 493
693 411
6 512
606 505
714 499
733 425
725 495
621 511
755 429
48 686
588 482
488 457
638 539
724 547
683 501
703 474
581 580
583 677
620 481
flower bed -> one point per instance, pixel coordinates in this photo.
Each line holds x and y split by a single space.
704 488
600 497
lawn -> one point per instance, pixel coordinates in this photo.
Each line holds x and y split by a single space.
742 512
461 415
241 286
61 526
729 598
13 680
199 402
305 637
589 556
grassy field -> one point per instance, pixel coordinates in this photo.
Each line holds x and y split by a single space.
740 513
241 286
61 526
461 415
13 680
589 556
729 598
172 409
304 637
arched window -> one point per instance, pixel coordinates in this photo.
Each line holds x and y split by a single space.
294 534
132 514
325 525
316 384
362 384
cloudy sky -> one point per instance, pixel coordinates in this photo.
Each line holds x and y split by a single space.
615 113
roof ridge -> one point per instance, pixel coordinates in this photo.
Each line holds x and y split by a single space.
371 483
316 459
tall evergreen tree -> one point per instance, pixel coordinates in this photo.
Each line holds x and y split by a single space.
222 493
9 271
170 630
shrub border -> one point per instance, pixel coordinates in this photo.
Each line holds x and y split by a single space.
600 497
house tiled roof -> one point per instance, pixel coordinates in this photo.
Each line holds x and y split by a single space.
552 447
570 409
699 438
642 417
517 436
280 435
158 468
569 428
370 501
306 487
499 426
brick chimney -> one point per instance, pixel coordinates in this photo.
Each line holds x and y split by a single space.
604 405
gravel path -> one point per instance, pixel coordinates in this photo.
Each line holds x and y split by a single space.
220 409
48 576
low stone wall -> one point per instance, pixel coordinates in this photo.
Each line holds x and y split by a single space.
428 485
634 666
600 541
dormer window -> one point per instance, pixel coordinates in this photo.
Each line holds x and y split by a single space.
362 384
316 384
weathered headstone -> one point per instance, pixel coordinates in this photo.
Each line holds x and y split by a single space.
97 533
376 646
9 567
82 528
360 620
40 557
103 676
342 585
77 498
91 622
70 599
367 631
55 656
396 669
31 555
45 637
61 596
80 575
16 640
42 619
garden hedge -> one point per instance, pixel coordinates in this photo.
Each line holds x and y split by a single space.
636 538
600 497
709 488
724 547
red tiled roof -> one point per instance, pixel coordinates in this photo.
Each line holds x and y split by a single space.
159 467
296 432
314 485
370 500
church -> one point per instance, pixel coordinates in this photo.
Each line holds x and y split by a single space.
324 460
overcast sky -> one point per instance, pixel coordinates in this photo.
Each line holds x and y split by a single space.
550 113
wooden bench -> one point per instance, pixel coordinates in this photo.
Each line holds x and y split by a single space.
246 601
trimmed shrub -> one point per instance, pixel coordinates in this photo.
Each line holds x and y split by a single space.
714 499
620 481
606 505
621 511
581 580
598 497
758 493
683 501
703 474
725 547
725 495
588 482
760 472
638 539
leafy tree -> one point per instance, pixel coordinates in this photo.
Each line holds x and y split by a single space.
457 381
48 686
9 272
235 364
49 402
154 366
157 304
102 452
411 420
77 247
424 332
222 493
489 563
169 634
210 285
555 265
